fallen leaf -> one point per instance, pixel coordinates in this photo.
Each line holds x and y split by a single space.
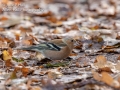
54 73
10 51
100 61
25 71
8 63
6 55
96 76
118 66
52 19
25 29
3 18
36 88
118 57
17 36
44 14
11 21
26 42
107 78
105 69
2 29
3 45
4 1
13 75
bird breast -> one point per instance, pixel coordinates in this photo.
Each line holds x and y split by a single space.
57 55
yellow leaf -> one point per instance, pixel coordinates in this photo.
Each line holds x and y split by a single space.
6 55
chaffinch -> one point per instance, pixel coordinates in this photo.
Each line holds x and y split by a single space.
55 49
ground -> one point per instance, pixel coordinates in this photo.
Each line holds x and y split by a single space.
94 63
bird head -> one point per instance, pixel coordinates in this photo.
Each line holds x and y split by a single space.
69 41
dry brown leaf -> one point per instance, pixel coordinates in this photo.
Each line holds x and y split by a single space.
8 40
118 57
2 29
3 45
17 36
1 39
36 88
118 79
26 42
77 64
10 51
54 73
96 76
107 78
25 71
8 63
118 37
58 23
52 19
49 13
33 37
100 61
24 29
105 69
17 69
95 27
12 44
57 31
63 18
118 66
17 2
74 27
3 18
108 48
73 54
79 46
4 1
12 21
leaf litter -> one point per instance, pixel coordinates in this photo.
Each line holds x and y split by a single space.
94 62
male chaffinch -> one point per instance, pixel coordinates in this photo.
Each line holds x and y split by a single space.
55 49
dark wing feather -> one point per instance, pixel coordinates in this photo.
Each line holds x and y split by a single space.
43 46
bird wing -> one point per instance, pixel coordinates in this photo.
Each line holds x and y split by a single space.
44 46
55 45
58 42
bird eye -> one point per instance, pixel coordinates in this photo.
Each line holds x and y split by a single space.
72 40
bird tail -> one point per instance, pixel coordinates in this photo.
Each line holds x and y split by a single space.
31 48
